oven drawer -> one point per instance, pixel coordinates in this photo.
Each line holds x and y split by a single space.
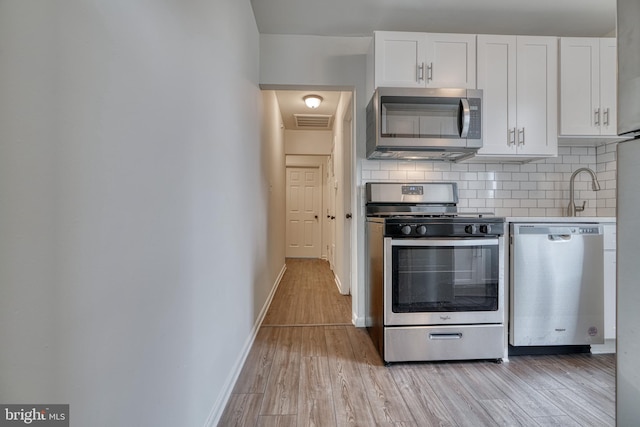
429 343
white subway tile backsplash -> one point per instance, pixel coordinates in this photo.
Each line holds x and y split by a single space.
442 166
389 165
424 166
555 176
543 185
469 176
467 194
414 175
511 185
476 185
398 175
407 166
544 167
563 168
509 167
460 167
486 194
607 157
433 176
539 188
380 175
477 203
451 176
477 167
546 203
371 165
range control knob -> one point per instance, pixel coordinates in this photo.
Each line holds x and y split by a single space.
471 229
421 229
485 228
405 229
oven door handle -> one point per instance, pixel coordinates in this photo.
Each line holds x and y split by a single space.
443 242
445 336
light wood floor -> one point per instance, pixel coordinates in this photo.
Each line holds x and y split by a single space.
323 374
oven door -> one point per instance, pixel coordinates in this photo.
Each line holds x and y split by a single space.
443 281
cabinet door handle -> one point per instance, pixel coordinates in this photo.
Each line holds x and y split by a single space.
521 136
421 72
430 72
605 117
596 117
511 138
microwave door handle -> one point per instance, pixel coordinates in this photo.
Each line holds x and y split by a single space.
465 113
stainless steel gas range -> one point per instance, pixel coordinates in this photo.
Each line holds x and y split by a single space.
435 284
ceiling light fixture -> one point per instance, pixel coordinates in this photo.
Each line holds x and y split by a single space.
312 101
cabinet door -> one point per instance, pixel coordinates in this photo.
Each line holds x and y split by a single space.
608 94
450 60
497 79
399 59
580 112
537 104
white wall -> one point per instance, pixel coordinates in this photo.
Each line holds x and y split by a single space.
308 142
133 247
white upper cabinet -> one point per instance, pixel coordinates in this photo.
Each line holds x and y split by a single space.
518 76
404 59
587 86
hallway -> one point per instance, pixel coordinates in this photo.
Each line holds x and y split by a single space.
310 367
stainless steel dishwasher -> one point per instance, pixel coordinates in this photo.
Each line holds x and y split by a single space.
557 284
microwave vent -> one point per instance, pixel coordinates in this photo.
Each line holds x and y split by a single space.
314 121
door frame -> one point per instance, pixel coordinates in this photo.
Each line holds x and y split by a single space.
353 169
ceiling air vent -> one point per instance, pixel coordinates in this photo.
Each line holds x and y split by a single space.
316 121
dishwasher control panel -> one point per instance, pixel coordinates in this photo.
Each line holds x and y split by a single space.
557 229
589 230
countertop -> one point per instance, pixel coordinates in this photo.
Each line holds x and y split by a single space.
574 219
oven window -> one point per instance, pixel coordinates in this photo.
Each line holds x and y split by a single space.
444 278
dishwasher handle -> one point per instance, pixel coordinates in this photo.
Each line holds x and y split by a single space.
559 237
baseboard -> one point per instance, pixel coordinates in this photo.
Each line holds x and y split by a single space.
338 283
358 322
218 408
608 347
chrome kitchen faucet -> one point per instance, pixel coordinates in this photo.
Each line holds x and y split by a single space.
595 185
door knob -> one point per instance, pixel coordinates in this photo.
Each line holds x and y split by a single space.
348 216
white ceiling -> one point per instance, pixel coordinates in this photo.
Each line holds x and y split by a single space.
361 17
574 18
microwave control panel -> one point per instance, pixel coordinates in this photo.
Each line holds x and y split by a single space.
475 123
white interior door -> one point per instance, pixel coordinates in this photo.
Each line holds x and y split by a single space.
303 210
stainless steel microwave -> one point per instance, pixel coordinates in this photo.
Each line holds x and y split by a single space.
424 124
